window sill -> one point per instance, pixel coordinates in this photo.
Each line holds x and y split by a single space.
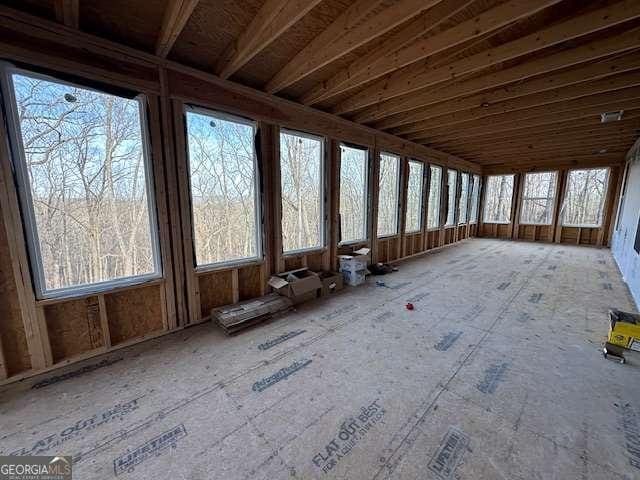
496 223
303 251
231 265
582 226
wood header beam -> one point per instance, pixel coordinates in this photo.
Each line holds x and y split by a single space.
271 21
68 12
175 18
344 35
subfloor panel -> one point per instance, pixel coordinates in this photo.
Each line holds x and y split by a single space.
497 373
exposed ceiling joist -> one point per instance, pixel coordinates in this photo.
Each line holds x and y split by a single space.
271 21
549 97
68 12
344 35
561 161
594 144
416 77
560 61
175 18
422 25
424 47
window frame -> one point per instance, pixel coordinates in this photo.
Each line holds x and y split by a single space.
367 191
323 191
257 190
421 197
553 199
398 183
25 199
486 190
466 209
476 181
439 197
604 198
454 222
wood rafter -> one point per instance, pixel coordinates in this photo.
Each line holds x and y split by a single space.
344 35
68 12
271 21
175 18
600 100
382 63
415 77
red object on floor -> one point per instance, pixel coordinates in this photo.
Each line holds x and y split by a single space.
409 306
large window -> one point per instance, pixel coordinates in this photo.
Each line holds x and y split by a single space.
463 206
413 222
433 207
584 200
389 183
85 184
302 190
498 196
452 177
223 179
354 168
538 198
475 199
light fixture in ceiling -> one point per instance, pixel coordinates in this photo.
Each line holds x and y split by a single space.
611 116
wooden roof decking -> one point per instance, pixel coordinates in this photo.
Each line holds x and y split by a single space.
490 81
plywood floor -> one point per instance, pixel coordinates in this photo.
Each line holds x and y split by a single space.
496 374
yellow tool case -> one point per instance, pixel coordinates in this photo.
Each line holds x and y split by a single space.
624 333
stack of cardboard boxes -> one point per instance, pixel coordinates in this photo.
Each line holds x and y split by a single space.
354 267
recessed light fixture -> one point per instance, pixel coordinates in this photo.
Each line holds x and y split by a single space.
484 104
611 116
602 150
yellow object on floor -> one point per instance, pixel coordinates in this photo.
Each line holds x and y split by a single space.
624 330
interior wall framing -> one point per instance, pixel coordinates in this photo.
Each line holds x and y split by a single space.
39 335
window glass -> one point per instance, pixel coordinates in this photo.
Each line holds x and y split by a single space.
538 197
433 208
85 185
222 177
475 197
353 193
498 196
414 197
389 181
301 183
464 198
584 200
452 176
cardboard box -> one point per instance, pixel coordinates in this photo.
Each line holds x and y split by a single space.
355 262
354 278
298 285
331 282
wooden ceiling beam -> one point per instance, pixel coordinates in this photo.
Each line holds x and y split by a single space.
415 76
591 51
272 20
175 18
68 12
600 100
537 165
551 81
593 146
549 98
382 62
344 35
550 154
589 114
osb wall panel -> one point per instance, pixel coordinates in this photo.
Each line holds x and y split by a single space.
250 282
433 239
134 313
314 262
74 327
293 263
12 334
215 291
589 236
569 235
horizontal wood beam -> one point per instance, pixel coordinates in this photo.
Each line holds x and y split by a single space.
628 105
600 100
594 147
386 62
175 18
272 20
68 12
588 52
583 161
550 98
344 35
415 76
